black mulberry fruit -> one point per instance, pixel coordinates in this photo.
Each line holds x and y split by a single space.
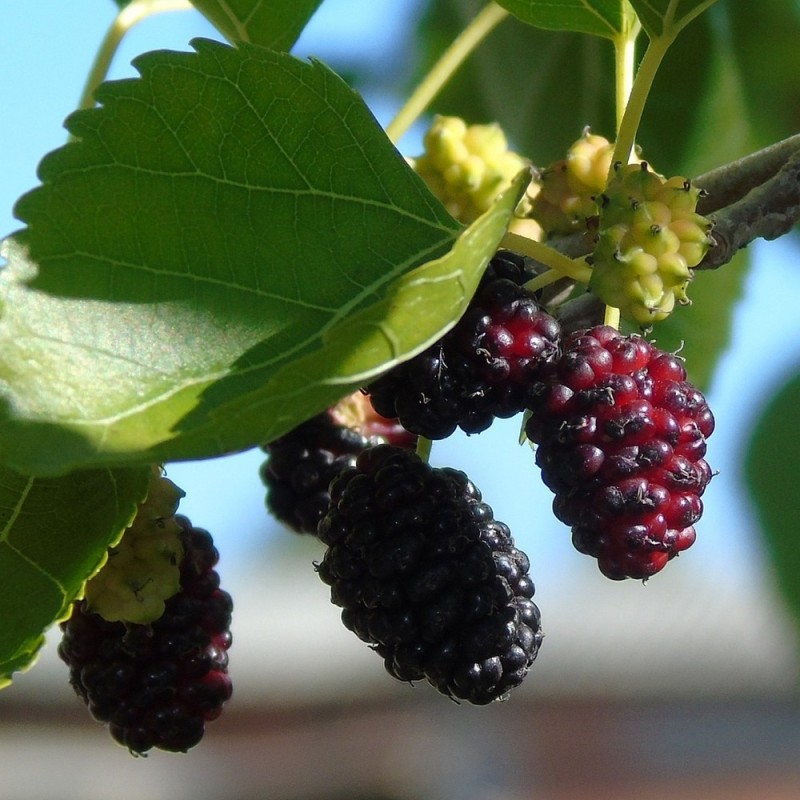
427 576
481 368
301 463
156 685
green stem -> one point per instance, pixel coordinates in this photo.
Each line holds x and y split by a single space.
563 266
128 17
445 68
634 109
612 317
625 62
542 280
424 447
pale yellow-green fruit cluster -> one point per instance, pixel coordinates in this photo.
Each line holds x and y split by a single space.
468 166
649 238
569 186
142 570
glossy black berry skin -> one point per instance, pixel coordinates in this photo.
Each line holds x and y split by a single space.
621 441
301 464
480 369
157 685
426 575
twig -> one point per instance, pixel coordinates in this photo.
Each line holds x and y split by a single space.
768 211
731 182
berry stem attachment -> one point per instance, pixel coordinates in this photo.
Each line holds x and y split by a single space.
612 317
424 447
129 16
441 72
563 266
543 279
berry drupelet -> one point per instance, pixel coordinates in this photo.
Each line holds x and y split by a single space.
480 369
427 576
621 439
156 685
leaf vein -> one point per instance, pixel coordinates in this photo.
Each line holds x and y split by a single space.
15 512
37 567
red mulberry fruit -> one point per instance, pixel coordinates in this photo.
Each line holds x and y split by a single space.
621 439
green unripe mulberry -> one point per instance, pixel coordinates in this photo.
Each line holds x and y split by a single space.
570 185
143 569
649 239
468 166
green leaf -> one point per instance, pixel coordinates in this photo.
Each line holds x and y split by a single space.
53 535
772 473
763 40
275 24
210 225
599 17
666 18
417 309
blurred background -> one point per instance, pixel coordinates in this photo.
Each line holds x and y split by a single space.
686 687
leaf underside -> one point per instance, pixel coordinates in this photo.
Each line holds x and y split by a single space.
216 223
599 17
668 17
270 23
53 534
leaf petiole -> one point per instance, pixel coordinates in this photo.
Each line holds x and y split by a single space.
640 90
624 61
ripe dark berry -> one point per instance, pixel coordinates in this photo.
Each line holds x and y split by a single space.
302 463
621 439
427 576
480 369
157 685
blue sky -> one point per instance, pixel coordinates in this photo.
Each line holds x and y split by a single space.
48 47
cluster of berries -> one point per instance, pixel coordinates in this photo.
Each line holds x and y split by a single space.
621 439
468 167
420 567
427 576
301 464
155 683
422 570
481 368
